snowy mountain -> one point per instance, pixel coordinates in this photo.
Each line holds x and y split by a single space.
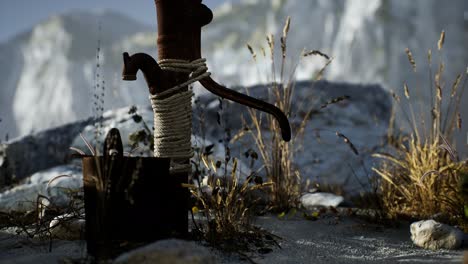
48 73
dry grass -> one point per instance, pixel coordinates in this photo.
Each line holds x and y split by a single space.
423 177
277 155
225 208
36 223
224 205
421 181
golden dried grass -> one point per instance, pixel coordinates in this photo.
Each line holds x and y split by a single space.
423 176
277 155
227 208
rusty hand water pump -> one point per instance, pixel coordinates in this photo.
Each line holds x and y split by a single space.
142 199
158 207
180 64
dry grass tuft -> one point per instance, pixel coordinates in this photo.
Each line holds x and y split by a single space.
36 223
277 155
423 177
226 207
421 181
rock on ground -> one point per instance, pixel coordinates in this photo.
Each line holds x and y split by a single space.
24 197
434 235
67 227
311 200
171 251
24 156
322 157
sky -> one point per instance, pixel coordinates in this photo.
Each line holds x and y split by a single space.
19 15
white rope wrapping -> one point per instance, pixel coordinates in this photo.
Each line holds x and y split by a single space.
173 114
172 125
196 68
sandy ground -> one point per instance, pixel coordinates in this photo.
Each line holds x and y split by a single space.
327 240
347 240
19 250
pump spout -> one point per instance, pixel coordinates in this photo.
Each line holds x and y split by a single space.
148 66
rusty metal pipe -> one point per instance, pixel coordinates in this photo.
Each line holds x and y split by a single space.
243 99
201 16
229 94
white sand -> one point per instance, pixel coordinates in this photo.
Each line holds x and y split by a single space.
327 240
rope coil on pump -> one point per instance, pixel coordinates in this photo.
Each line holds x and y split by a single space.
173 113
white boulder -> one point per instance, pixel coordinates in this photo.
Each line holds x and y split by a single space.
311 200
173 251
433 235
52 183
